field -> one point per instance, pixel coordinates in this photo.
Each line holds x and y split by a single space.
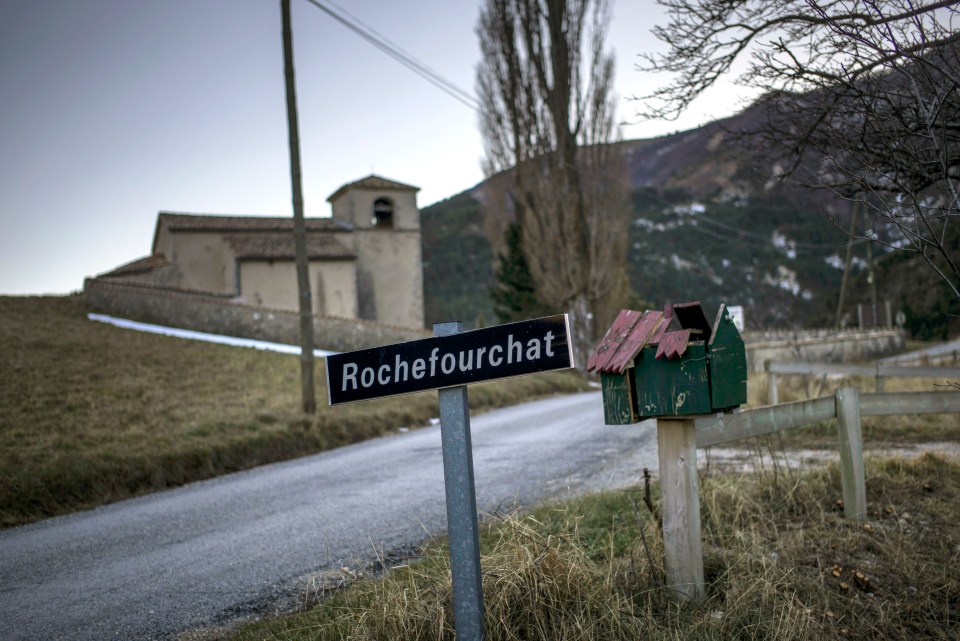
91 413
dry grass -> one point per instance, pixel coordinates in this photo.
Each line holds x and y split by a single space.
90 413
878 432
781 565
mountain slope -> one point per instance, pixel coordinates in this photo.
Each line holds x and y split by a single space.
710 221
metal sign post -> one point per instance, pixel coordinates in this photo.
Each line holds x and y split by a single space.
462 522
449 362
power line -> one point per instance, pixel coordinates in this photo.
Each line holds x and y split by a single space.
766 239
400 56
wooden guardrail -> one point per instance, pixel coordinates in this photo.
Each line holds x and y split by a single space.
678 440
877 371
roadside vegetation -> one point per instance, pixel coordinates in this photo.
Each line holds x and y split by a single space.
781 563
91 413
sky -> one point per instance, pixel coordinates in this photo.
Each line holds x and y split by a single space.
114 110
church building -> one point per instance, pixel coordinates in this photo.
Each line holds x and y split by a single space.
364 261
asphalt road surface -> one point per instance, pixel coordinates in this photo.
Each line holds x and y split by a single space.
214 551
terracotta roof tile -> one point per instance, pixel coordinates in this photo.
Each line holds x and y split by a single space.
632 331
205 222
280 247
140 266
373 182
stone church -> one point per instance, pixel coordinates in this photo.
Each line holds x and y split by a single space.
364 261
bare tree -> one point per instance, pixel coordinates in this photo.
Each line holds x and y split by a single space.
861 97
547 116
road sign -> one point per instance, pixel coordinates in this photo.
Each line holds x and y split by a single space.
513 349
448 362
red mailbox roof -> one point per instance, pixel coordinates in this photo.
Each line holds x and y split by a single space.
633 330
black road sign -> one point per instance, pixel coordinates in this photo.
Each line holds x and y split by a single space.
526 347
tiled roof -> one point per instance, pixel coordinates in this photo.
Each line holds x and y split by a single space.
140 266
632 331
206 222
373 182
280 247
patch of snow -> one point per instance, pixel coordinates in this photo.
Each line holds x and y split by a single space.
785 279
188 334
680 263
834 261
781 242
692 209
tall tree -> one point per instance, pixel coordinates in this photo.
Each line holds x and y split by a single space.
547 115
861 97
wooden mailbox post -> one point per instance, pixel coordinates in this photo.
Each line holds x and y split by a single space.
672 366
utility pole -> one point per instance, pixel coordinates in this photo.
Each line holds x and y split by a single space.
299 225
846 263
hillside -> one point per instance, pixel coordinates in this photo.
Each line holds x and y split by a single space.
709 222
91 413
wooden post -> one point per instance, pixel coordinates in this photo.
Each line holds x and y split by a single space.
305 296
771 384
878 381
851 454
683 549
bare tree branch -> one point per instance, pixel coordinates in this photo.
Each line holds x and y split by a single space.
861 97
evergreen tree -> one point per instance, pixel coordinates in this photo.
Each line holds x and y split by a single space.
514 297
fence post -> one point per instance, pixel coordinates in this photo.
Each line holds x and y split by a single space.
879 382
771 384
683 549
851 454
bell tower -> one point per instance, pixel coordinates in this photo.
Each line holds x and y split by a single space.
386 240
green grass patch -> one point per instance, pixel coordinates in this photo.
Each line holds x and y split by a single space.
91 413
780 561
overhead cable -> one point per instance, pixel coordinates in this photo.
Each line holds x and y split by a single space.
400 56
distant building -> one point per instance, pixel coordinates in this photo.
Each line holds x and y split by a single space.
365 261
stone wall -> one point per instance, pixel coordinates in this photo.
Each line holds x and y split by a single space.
222 314
820 346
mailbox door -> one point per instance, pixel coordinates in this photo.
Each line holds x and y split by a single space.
619 399
728 366
678 387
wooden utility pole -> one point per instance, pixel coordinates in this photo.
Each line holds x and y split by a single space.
299 225
846 264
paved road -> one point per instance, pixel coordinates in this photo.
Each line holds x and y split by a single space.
153 566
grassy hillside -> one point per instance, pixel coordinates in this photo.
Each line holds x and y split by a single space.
91 413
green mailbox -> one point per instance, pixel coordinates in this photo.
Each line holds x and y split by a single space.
670 363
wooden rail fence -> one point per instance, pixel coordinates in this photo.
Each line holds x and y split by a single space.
877 371
678 440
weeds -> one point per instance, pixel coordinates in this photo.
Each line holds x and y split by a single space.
781 564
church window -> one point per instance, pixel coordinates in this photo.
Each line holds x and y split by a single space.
382 213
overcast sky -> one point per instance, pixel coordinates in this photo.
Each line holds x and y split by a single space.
113 110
